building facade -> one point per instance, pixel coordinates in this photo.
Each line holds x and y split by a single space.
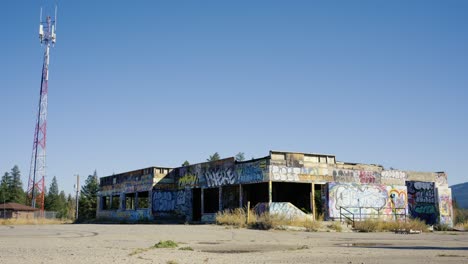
289 183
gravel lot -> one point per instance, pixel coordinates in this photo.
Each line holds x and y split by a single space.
217 244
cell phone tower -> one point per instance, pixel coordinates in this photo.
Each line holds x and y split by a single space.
37 170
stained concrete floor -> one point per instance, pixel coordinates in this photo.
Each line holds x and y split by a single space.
218 244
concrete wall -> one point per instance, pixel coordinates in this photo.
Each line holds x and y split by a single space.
367 200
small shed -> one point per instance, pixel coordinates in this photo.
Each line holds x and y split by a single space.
16 211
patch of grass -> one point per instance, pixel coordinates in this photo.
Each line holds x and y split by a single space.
186 248
371 225
336 226
238 218
462 225
171 262
36 221
235 217
442 227
166 244
311 226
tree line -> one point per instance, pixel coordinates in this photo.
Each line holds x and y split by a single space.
11 191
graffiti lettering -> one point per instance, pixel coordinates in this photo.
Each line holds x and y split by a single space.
250 172
393 174
220 176
285 173
188 180
163 201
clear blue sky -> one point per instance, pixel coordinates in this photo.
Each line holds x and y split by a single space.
142 83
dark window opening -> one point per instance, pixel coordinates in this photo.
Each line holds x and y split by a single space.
143 200
105 201
319 200
130 201
210 200
296 193
196 204
115 202
230 197
255 193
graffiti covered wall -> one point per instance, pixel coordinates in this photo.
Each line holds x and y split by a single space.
422 201
367 200
444 199
221 173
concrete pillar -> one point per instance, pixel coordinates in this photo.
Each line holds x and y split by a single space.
270 192
202 201
240 195
123 205
312 201
136 200
220 197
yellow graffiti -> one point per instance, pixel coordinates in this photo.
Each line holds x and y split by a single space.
188 180
398 198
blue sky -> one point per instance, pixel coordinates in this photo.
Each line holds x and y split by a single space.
141 83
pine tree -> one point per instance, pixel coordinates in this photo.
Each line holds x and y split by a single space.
4 187
62 211
70 207
240 156
88 198
214 157
16 191
51 202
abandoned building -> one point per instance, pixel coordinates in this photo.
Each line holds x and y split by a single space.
16 211
288 183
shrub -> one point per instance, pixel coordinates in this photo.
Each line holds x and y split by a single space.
336 226
370 225
186 248
166 244
311 226
236 217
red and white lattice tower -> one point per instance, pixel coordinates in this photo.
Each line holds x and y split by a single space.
37 170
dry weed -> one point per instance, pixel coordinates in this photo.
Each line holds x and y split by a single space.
36 221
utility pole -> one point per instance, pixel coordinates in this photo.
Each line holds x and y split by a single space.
77 187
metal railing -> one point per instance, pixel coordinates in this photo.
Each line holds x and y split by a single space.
347 215
361 213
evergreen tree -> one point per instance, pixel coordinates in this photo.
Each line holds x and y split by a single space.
214 157
88 198
51 202
70 207
62 211
186 163
240 156
16 191
4 187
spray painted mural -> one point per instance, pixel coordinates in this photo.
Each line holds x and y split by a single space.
421 201
444 200
367 200
224 173
177 201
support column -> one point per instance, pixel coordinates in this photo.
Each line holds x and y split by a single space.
240 195
136 200
270 192
220 197
202 201
123 205
312 202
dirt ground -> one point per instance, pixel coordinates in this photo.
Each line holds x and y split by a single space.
217 244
